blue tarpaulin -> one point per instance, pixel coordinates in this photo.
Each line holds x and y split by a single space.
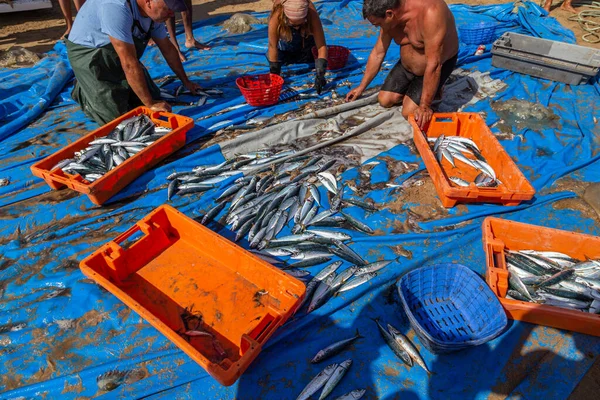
59 330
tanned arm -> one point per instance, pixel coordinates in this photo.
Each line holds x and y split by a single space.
373 65
135 74
434 30
170 53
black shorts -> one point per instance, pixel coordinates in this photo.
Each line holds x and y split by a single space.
401 81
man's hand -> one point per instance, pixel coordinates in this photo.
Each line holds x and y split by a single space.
192 87
354 94
423 115
160 106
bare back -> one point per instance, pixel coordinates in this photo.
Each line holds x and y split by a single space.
421 22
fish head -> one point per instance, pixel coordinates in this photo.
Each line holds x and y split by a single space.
318 357
393 331
346 364
330 368
358 393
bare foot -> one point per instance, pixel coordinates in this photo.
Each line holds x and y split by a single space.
66 34
569 8
196 44
547 5
181 56
151 43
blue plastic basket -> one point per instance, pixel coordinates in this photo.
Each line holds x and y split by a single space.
450 307
480 33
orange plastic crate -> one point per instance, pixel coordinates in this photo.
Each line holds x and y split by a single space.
514 189
499 234
113 181
179 264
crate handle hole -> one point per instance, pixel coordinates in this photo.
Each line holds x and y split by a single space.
130 240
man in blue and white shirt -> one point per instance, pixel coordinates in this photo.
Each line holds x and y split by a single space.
104 47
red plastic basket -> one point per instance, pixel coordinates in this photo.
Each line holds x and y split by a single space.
260 90
337 56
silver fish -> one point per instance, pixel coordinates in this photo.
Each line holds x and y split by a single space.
356 394
309 262
406 344
343 277
335 348
357 224
393 344
328 180
317 382
356 281
329 234
309 254
345 252
516 283
335 378
323 292
297 273
373 267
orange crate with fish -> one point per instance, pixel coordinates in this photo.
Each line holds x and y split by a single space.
467 163
101 181
501 236
214 300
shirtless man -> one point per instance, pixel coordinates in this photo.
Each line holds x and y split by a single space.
426 33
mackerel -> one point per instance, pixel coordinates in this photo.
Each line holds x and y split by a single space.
335 348
335 378
317 382
407 346
356 281
373 267
393 344
356 394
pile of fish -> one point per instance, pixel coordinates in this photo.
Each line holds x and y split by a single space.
328 380
454 148
103 154
401 346
327 282
270 198
554 279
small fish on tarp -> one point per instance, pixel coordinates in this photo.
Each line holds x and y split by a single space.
335 378
317 382
353 395
112 379
335 348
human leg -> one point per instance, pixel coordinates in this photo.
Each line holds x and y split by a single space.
65 6
389 99
190 40
567 6
395 86
78 4
408 106
173 37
